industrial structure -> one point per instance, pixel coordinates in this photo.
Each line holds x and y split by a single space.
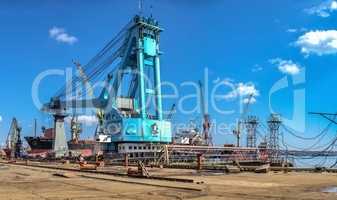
274 123
131 126
240 122
131 99
251 125
13 143
206 121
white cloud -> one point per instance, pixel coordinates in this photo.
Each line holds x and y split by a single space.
290 68
251 100
53 32
60 35
286 66
257 68
231 95
243 90
324 9
320 42
0 118
333 5
84 119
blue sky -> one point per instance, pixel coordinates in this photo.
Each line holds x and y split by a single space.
250 44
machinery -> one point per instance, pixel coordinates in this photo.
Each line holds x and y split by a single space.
13 142
90 91
76 129
237 131
194 135
131 98
206 123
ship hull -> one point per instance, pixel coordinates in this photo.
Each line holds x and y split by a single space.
83 147
40 145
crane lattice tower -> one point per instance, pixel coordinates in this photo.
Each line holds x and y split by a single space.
274 123
251 126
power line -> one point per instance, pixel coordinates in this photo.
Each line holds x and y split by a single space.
307 138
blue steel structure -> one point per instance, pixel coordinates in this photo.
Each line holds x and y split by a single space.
131 99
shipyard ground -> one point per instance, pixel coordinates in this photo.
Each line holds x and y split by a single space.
20 182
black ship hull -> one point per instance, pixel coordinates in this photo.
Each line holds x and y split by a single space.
38 143
41 144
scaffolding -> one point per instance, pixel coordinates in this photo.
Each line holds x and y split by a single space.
251 125
274 123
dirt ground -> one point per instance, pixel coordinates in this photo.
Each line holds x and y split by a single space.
17 182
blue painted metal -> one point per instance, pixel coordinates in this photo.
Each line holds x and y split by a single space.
137 53
158 89
140 60
138 130
144 36
150 46
141 123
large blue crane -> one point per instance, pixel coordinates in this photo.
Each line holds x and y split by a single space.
131 98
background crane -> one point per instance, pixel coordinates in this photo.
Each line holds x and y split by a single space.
76 128
13 142
172 111
237 132
206 123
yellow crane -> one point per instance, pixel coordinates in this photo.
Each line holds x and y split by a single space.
85 80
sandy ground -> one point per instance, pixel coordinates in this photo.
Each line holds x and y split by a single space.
18 182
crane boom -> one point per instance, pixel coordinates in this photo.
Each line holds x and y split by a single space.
84 78
172 110
206 124
86 82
